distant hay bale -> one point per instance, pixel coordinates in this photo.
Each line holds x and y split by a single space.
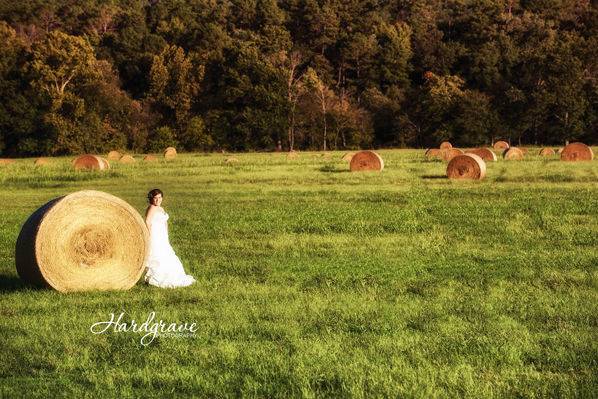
513 154
433 153
348 156
127 159
445 145
170 153
577 152
447 154
501 145
114 155
90 162
41 161
292 154
546 152
366 160
523 150
6 161
485 153
150 158
231 161
559 150
466 166
87 240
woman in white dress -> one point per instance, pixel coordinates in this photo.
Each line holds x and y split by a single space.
163 267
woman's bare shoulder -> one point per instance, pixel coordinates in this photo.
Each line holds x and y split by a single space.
151 210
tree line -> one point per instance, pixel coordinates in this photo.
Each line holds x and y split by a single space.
242 75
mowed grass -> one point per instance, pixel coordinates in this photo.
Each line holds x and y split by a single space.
317 282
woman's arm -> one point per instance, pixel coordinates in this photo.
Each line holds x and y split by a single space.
149 213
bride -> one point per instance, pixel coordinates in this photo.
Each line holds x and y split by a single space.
163 267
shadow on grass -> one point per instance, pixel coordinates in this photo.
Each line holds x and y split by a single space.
333 169
10 283
434 177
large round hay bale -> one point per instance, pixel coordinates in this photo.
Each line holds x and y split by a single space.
485 153
114 155
150 158
523 150
513 154
366 160
127 159
449 153
546 152
577 152
90 162
348 156
41 161
87 240
501 145
170 153
6 161
433 153
445 145
466 166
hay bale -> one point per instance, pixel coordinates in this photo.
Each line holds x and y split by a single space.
170 153
150 158
127 159
577 152
366 160
501 145
105 163
231 160
523 150
114 155
559 150
348 156
449 153
485 153
466 166
445 145
433 153
87 240
292 154
513 154
6 161
90 162
41 161
546 152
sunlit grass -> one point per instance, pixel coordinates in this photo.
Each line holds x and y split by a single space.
314 281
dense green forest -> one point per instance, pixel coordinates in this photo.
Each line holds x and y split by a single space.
90 75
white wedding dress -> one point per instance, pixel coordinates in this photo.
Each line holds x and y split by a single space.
163 267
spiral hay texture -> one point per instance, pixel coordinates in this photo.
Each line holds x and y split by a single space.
87 240
366 160
449 153
127 159
114 155
577 152
513 154
546 152
484 153
501 145
348 156
90 162
466 166
170 153
445 145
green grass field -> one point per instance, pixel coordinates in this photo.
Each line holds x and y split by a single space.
317 282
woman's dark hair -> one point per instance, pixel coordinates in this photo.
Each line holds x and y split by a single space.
153 193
